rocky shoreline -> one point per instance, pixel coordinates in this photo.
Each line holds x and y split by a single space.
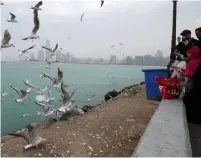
112 128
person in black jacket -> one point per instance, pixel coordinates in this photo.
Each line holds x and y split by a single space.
198 33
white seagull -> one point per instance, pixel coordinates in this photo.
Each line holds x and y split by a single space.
6 39
65 96
26 115
35 88
30 135
12 19
37 6
56 80
36 27
21 52
23 95
47 109
3 94
52 52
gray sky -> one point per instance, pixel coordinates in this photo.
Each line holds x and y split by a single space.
142 26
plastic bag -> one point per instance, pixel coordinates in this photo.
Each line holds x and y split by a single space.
169 88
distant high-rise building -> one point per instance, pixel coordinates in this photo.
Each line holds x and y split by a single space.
40 55
139 60
33 56
58 56
147 60
63 57
46 51
113 58
129 60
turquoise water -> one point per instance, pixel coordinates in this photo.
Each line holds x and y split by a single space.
89 79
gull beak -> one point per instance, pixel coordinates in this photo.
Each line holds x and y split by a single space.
13 46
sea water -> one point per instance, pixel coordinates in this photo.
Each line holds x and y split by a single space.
88 79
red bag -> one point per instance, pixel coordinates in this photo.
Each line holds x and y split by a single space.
169 88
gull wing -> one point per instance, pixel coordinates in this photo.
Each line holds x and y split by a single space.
45 107
6 37
82 17
32 132
33 87
48 76
67 97
55 48
30 48
60 74
36 22
17 90
49 49
23 133
12 16
102 2
38 4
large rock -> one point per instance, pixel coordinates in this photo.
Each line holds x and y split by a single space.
111 94
86 108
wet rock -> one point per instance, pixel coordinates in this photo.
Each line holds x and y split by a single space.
111 94
143 82
86 108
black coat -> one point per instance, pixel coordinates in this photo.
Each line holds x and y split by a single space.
192 99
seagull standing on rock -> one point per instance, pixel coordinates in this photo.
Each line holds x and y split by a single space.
12 19
30 135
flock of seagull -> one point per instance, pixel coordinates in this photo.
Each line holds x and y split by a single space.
43 94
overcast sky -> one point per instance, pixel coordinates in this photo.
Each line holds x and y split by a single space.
142 26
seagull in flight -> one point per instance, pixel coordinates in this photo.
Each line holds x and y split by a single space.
65 96
89 98
102 2
121 44
37 6
82 17
5 42
47 109
26 115
30 135
36 27
23 95
35 88
25 50
12 19
112 46
3 94
56 80
52 51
